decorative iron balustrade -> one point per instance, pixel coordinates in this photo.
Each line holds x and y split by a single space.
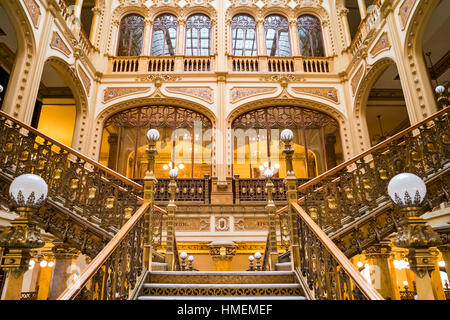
76 183
195 190
357 187
325 269
113 273
247 190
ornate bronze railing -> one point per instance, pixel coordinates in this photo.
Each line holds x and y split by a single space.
248 190
325 269
113 273
188 190
76 183
357 187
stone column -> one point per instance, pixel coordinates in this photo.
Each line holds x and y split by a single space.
13 285
438 288
343 14
113 145
379 256
94 27
272 232
62 270
293 36
261 43
362 9
222 253
147 42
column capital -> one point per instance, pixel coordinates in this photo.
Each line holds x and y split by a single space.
63 251
342 12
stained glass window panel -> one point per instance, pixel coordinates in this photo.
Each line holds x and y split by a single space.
243 29
164 35
277 36
131 33
198 35
310 36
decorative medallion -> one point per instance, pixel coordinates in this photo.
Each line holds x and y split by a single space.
405 11
203 93
329 93
112 93
34 11
222 224
382 44
85 79
58 44
356 78
240 93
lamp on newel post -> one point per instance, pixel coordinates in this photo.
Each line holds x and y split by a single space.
442 96
291 194
408 191
270 208
171 208
28 193
149 193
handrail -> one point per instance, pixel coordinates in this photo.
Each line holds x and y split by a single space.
74 152
71 292
367 290
378 146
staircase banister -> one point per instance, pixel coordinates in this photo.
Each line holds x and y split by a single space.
74 152
71 292
367 290
364 154
160 209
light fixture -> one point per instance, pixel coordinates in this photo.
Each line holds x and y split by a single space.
287 135
183 255
407 190
405 283
257 255
43 263
51 264
191 258
28 191
165 167
441 263
153 135
251 258
360 264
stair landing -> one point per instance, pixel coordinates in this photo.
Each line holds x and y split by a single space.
213 285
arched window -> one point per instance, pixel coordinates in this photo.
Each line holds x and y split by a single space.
131 33
277 36
186 138
243 29
257 143
164 35
310 35
198 35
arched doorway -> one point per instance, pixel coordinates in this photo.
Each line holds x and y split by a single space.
8 51
185 141
386 112
257 144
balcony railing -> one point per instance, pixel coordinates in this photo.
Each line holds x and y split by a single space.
249 190
244 64
278 64
367 26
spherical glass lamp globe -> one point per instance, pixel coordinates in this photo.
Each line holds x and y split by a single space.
28 190
287 135
153 135
251 258
1 88
439 89
183 255
268 173
407 190
173 173
191 258
257 255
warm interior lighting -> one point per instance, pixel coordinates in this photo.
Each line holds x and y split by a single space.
51 264
43 263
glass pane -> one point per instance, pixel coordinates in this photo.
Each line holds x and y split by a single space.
198 31
165 29
243 31
131 31
277 36
310 36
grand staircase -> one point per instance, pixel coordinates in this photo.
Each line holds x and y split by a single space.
330 218
210 285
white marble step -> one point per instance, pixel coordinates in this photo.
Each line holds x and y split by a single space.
221 298
232 285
